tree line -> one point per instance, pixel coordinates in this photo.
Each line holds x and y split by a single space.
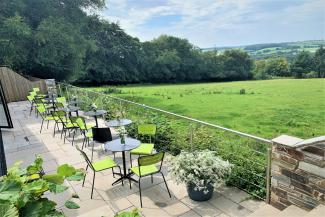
62 39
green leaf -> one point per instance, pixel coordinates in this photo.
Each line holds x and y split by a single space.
38 208
9 190
36 166
54 214
54 178
66 170
57 188
78 176
71 205
37 187
33 177
8 210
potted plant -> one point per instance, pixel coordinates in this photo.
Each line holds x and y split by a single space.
201 171
122 133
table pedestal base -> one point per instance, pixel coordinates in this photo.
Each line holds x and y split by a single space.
123 177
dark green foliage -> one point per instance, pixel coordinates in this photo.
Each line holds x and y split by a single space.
22 192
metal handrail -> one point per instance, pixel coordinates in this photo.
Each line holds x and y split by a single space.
263 140
180 116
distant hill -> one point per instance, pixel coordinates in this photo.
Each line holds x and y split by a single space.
285 49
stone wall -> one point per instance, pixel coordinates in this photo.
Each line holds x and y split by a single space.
298 172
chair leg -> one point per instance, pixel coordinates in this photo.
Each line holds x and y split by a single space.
166 184
41 126
54 129
140 191
83 183
65 135
114 155
151 178
47 126
83 143
62 132
92 188
131 159
74 133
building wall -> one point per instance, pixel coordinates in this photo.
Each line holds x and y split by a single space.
297 175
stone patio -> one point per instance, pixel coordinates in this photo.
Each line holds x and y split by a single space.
25 141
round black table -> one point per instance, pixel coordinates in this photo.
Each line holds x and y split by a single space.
95 114
71 109
118 122
117 146
74 102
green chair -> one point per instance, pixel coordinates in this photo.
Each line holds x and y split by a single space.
43 113
146 130
67 126
59 121
148 166
98 166
30 99
61 100
81 123
35 89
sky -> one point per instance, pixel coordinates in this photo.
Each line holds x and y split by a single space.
210 23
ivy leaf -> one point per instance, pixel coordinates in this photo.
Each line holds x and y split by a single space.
8 210
54 178
57 188
9 190
71 205
78 176
38 208
66 170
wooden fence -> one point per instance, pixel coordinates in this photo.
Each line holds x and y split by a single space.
16 87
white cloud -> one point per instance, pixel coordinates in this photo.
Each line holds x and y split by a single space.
206 22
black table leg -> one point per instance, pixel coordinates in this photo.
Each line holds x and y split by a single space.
124 175
96 121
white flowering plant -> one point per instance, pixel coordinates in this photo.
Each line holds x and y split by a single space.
201 168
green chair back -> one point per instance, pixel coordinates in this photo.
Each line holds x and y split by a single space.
32 93
59 105
80 121
30 98
38 101
35 89
151 159
40 108
58 113
147 129
61 100
84 155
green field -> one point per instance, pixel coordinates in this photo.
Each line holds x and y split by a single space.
268 108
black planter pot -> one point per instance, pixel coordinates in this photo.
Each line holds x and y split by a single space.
199 195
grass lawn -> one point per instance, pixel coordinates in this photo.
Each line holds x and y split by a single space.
269 108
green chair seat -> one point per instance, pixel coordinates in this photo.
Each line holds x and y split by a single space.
87 127
89 135
144 148
106 163
48 118
70 125
145 170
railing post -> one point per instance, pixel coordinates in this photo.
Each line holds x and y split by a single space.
268 173
191 137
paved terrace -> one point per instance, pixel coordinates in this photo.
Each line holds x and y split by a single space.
25 141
